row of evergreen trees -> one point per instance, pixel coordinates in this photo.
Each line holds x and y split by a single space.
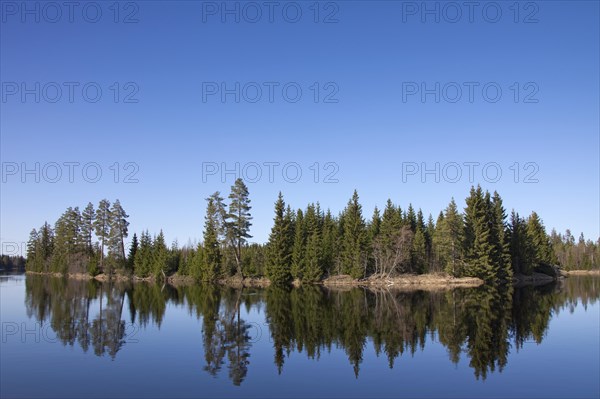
79 240
311 244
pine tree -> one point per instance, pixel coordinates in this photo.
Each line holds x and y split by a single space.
238 220
118 231
88 216
353 251
102 226
279 250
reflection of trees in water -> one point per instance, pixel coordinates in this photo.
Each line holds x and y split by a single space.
224 333
88 313
480 323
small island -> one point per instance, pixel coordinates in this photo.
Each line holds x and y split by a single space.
394 248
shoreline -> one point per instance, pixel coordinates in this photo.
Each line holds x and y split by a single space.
432 281
423 281
594 272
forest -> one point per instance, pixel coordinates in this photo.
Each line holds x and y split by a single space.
311 244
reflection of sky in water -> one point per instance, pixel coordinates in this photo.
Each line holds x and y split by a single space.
170 361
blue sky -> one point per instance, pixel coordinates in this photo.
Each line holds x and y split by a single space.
365 126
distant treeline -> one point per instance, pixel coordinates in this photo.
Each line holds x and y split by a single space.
311 244
12 263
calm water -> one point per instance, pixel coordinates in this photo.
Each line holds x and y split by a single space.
66 338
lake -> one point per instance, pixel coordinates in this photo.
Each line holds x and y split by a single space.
70 338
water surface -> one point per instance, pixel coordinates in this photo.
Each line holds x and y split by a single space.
69 338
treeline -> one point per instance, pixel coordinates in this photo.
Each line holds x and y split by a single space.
583 255
311 244
11 263
89 241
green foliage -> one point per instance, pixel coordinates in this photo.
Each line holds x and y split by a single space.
310 245
298 255
211 264
160 256
279 247
143 261
354 239
238 220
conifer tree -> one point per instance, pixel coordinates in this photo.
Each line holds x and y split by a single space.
502 249
33 252
212 251
354 238
160 255
88 216
298 248
479 247
312 265
450 234
238 220
102 226
132 251
521 253
279 252
329 242
536 233
118 225
143 261
411 218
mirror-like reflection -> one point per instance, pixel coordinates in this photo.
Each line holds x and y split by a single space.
484 324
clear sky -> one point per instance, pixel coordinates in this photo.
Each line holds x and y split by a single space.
170 109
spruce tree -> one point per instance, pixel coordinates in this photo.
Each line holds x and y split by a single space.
34 263
160 255
298 248
450 234
312 265
133 248
212 251
279 248
143 261
502 249
354 239
536 233
411 218
479 248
